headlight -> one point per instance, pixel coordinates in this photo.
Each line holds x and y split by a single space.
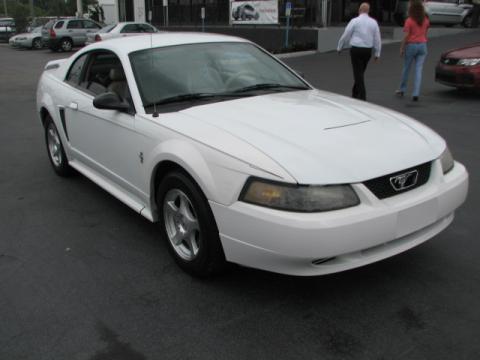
469 62
300 198
447 161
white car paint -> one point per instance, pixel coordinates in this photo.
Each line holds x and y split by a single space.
119 30
300 137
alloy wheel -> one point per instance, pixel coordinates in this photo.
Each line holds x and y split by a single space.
37 44
181 224
66 45
54 146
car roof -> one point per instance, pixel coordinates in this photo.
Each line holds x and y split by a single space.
126 45
131 22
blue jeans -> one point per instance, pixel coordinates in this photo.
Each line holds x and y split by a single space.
414 52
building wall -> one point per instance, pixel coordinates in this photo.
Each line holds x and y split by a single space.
110 10
305 13
139 10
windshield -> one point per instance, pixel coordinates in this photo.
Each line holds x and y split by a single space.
107 28
174 72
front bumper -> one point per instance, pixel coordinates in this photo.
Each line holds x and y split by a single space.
458 76
322 243
27 43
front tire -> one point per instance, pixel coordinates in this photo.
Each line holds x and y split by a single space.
188 226
55 150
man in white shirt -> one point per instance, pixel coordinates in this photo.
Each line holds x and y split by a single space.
362 34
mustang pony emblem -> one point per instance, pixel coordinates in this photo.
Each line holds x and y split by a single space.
404 181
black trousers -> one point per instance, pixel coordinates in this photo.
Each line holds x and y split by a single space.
360 58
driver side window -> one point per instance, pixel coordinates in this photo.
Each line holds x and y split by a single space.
99 72
104 74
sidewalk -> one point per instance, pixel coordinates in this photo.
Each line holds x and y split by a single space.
328 37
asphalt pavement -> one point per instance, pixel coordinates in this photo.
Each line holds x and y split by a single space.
84 277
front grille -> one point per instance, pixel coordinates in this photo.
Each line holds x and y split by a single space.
382 187
449 61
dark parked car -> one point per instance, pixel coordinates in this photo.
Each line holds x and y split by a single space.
460 68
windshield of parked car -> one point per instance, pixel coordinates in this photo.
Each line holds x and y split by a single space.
192 72
107 28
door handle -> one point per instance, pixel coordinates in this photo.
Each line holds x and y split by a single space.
73 106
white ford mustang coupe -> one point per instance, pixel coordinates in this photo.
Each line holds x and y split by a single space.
240 160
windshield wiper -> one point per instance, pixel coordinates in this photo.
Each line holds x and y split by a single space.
268 86
181 97
192 97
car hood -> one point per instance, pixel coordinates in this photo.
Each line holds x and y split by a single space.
26 35
465 53
323 138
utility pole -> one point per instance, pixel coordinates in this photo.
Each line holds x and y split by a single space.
79 8
5 7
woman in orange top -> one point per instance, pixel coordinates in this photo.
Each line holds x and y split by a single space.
414 46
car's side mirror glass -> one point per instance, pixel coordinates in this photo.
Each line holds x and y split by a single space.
110 101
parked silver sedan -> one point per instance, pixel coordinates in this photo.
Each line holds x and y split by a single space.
443 12
121 29
30 40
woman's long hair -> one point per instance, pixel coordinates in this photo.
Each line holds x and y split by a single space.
417 12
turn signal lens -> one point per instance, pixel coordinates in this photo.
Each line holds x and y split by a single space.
98 38
299 198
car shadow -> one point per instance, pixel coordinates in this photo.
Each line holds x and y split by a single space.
457 94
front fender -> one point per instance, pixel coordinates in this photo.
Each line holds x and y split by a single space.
186 155
44 100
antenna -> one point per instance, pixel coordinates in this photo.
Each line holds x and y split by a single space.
155 112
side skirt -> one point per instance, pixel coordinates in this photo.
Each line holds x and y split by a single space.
112 188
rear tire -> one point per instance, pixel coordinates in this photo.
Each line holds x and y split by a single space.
66 45
55 150
37 44
188 226
467 22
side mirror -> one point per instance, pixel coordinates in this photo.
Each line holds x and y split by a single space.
110 101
